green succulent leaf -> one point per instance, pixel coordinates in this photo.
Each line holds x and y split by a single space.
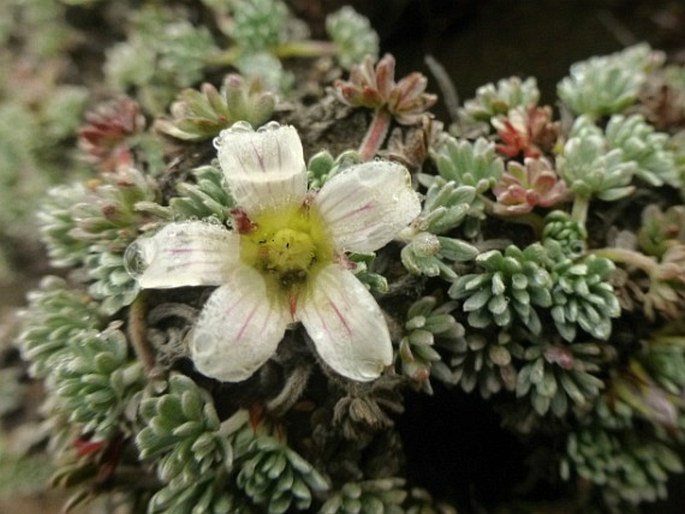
96 381
57 316
647 148
184 435
508 289
426 254
590 168
200 115
277 478
483 361
206 197
469 164
608 84
555 376
259 25
353 36
430 329
582 296
492 100
372 496
322 166
622 465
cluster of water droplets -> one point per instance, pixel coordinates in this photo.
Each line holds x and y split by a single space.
242 127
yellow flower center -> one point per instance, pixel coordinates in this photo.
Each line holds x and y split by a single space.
287 244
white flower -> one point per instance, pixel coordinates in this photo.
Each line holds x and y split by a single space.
284 260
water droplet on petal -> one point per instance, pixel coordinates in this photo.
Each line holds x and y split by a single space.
134 260
272 125
240 126
213 220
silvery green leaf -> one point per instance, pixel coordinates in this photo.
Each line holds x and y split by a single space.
456 249
492 100
421 337
559 404
540 296
499 355
533 323
608 84
615 193
540 403
477 300
497 304
440 323
572 390
502 319
548 385
422 307
479 319
353 36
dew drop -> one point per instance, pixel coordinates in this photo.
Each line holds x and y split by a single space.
239 127
270 126
213 221
134 260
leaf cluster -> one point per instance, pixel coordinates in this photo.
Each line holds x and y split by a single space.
198 115
492 100
55 318
96 382
429 327
608 84
507 290
353 36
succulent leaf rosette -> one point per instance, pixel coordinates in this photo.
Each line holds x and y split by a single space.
375 88
284 261
522 187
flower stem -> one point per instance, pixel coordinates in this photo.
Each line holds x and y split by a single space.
305 48
375 134
136 333
581 204
226 58
292 391
629 257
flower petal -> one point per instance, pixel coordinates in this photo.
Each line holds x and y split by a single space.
263 169
239 328
346 324
366 205
191 253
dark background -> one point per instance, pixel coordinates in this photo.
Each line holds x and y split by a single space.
480 41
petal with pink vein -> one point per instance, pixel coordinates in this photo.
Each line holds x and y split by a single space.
239 327
263 169
366 205
346 324
191 253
